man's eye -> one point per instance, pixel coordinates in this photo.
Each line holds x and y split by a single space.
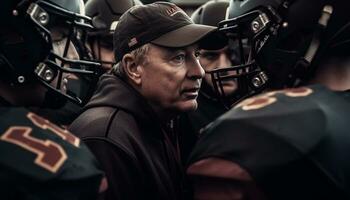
59 33
179 58
58 38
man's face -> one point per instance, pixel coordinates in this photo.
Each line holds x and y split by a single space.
60 40
171 78
217 59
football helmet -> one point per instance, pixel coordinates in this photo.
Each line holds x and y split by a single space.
281 42
211 13
40 41
105 15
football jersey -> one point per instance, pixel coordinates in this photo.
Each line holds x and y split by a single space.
295 143
39 160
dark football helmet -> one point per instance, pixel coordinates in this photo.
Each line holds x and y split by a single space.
40 40
281 42
211 13
105 15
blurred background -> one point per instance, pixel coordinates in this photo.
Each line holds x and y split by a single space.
187 5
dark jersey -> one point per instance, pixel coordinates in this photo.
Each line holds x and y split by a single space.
39 160
62 116
208 110
295 143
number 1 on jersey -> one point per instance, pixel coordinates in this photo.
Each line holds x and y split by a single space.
50 155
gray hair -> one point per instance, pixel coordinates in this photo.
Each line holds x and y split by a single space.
140 55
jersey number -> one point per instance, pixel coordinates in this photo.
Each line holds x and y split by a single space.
50 155
269 98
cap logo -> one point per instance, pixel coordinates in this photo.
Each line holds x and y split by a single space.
173 10
132 42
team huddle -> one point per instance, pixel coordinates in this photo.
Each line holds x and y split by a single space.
123 99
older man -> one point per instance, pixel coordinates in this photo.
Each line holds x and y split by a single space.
129 123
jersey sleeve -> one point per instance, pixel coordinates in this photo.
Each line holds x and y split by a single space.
42 160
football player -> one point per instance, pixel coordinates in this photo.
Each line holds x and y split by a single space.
210 104
285 144
39 160
105 16
68 39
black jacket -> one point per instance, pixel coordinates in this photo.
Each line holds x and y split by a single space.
191 124
139 157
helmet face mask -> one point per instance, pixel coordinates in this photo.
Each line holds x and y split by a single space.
58 67
246 35
226 67
246 77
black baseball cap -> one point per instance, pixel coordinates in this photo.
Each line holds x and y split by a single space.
163 24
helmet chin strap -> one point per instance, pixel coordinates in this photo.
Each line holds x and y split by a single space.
302 67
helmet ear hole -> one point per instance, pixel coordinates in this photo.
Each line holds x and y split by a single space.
200 16
200 11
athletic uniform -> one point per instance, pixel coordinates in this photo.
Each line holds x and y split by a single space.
294 143
39 160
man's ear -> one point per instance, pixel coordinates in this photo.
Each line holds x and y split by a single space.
132 69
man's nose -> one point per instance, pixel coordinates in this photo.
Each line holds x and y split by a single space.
72 52
195 70
224 61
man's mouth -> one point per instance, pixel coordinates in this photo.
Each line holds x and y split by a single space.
191 93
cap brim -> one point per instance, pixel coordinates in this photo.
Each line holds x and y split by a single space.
190 34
